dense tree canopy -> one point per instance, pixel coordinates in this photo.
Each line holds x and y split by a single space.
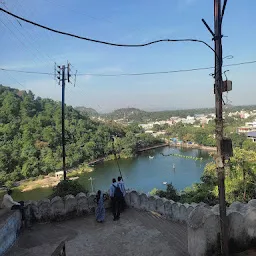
30 131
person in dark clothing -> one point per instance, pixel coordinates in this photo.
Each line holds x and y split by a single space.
115 195
122 188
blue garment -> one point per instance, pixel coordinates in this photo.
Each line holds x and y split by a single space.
100 210
112 189
122 187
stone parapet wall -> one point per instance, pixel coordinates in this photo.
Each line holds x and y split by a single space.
9 229
172 210
204 228
202 220
59 208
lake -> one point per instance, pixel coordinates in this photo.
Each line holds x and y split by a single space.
143 174
140 173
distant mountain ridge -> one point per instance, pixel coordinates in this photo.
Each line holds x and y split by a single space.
89 111
137 115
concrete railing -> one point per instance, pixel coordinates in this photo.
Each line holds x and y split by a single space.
172 210
204 228
61 208
9 229
202 220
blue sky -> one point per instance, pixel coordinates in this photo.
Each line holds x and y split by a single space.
29 48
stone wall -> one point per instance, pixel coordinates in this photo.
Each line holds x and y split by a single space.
58 208
203 222
204 228
9 229
172 210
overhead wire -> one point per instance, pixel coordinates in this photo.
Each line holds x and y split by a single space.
105 42
30 40
133 74
34 36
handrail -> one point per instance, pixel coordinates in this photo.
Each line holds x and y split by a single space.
60 250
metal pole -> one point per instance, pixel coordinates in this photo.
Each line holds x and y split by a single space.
63 123
91 183
219 125
113 147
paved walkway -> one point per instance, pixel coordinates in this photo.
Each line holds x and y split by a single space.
135 234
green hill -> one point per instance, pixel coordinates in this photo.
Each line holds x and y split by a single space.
30 132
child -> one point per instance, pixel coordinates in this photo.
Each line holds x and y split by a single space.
100 210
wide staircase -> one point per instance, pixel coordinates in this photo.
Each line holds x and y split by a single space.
136 233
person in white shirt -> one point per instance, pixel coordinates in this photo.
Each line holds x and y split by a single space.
10 204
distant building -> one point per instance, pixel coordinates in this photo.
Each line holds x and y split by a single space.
244 129
251 124
252 136
59 174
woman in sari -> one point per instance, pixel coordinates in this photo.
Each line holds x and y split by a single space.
100 209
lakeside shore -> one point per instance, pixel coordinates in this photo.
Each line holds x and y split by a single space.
50 181
193 146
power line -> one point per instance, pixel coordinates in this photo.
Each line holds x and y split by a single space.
26 72
133 74
104 42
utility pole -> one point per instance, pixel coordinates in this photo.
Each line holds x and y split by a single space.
224 145
63 123
219 126
62 77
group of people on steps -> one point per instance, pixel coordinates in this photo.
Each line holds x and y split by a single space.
117 194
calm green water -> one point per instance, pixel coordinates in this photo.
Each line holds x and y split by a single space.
140 173
144 174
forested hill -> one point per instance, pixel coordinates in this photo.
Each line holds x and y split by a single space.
30 132
88 111
140 116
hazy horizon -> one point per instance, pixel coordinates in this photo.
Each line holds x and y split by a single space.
30 48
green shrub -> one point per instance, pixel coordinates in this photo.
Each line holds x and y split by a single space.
68 187
170 193
9 184
153 192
